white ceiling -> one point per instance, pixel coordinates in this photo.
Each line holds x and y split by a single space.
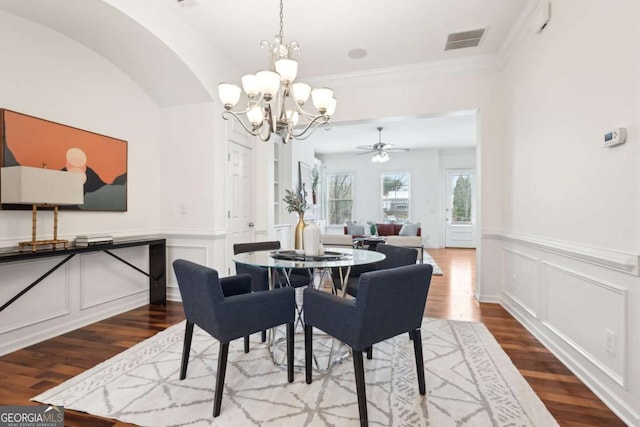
456 130
400 33
405 34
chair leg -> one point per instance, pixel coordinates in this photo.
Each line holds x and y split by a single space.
308 352
246 344
263 336
417 349
290 336
360 387
370 352
186 349
222 369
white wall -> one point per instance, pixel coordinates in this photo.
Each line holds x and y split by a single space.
47 75
568 255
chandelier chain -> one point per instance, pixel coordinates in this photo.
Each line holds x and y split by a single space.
281 25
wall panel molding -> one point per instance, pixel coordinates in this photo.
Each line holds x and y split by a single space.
512 281
624 262
617 307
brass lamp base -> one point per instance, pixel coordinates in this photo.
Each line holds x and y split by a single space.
53 242
35 243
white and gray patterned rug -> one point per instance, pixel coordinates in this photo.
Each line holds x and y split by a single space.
470 382
428 259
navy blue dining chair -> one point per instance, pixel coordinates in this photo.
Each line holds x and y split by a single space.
390 302
227 309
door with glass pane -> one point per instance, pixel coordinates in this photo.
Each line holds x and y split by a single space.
460 208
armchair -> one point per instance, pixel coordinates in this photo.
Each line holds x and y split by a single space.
226 309
390 302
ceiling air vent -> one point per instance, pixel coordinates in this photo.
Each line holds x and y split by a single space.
464 39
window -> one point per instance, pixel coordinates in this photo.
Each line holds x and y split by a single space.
461 203
339 198
395 197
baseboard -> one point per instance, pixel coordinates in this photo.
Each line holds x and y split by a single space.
604 393
73 324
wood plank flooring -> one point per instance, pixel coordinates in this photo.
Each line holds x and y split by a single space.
28 372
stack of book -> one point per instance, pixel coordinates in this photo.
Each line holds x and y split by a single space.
93 239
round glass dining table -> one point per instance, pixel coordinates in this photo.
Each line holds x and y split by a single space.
333 257
342 258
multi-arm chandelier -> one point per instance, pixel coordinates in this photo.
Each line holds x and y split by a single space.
274 100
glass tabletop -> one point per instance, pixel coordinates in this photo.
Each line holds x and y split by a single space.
347 257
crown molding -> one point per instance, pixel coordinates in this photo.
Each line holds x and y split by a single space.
459 66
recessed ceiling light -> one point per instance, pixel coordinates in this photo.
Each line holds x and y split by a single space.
357 53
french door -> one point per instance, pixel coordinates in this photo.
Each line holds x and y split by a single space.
460 208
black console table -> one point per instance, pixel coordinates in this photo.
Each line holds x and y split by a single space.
157 263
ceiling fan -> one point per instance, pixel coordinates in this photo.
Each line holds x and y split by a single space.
381 149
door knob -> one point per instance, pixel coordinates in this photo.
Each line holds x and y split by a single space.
251 224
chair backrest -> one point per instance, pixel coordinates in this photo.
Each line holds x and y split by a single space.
201 293
396 256
391 301
240 248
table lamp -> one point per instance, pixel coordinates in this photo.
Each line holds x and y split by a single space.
45 188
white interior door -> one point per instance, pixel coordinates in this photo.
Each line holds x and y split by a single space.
460 208
240 193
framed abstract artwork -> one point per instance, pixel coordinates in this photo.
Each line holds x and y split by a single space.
31 141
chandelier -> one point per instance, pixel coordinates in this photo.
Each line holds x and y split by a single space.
275 101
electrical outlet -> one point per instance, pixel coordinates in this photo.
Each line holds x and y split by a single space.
610 342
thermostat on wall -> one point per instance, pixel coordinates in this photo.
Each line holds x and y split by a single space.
615 136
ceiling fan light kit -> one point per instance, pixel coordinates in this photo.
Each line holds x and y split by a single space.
274 101
380 149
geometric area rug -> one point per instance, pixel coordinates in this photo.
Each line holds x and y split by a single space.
470 382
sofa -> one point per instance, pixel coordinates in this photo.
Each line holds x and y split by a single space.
391 234
384 230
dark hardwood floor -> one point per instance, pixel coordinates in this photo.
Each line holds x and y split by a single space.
28 372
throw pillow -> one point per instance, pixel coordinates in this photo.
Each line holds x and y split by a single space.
373 229
409 229
355 229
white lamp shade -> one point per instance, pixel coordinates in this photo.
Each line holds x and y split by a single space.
301 92
250 85
288 69
229 94
321 98
293 116
255 115
27 186
332 107
269 82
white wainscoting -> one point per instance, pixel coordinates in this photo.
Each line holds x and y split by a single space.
87 289
520 279
568 296
578 309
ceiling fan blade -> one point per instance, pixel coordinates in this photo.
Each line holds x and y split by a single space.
367 152
365 147
396 150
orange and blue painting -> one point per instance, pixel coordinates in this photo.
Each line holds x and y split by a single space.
30 141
